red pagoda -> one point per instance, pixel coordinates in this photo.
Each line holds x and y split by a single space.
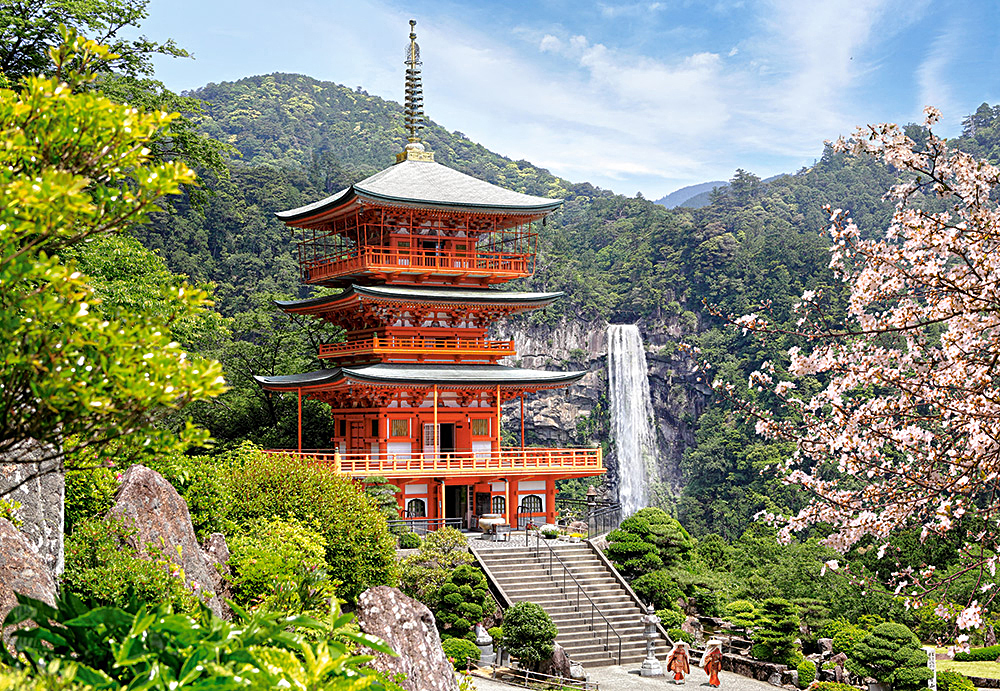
416 389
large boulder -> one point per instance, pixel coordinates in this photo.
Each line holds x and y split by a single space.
32 475
558 664
407 626
160 517
217 552
22 570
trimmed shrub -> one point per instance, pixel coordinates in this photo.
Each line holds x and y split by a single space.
441 552
631 554
461 602
846 638
670 618
954 681
673 542
778 627
409 541
360 551
270 560
807 673
832 686
658 588
988 654
891 654
101 568
742 614
461 652
528 633
680 635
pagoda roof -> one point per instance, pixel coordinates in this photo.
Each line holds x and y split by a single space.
426 184
445 296
422 374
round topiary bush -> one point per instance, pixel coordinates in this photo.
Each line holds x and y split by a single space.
409 541
461 652
462 601
891 654
807 673
954 681
670 618
528 633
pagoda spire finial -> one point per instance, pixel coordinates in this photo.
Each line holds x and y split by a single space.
413 110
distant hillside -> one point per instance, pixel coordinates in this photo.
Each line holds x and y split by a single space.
683 196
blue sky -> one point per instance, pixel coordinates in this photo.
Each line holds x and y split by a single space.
632 96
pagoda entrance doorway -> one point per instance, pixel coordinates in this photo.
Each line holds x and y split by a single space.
456 502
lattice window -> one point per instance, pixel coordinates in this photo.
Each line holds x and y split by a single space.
481 427
416 508
532 504
399 428
499 504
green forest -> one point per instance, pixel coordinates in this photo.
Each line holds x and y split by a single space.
170 270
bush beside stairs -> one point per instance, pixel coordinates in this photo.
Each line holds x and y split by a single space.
522 576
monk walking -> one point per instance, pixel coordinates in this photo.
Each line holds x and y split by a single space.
678 661
711 661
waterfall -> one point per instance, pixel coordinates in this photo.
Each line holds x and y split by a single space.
631 416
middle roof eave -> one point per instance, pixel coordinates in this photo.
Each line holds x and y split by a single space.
424 374
481 296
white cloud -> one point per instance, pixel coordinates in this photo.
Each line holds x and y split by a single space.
932 74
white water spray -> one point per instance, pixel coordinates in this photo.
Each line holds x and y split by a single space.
631 416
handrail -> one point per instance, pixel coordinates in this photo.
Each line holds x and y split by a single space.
418 344
448 261
421 525
491 580
608 629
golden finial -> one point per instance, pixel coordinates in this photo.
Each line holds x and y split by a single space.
413 109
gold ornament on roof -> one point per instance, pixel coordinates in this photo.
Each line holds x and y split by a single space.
413 109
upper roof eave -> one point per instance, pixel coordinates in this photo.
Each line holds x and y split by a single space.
445 295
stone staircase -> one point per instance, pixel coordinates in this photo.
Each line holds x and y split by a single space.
523 576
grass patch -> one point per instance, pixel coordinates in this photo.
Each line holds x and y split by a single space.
989 670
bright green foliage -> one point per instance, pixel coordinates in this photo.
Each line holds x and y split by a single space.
777 629
154 648
672 541
462 601
77 165
631 555
954 681
987 654
102 568
807 673
647 541
461 652
658 588
90 494
670 618
270 559
409 541
813 613
742 614
679 634
892 655
528 633
714 551
833 686
442 551
360 552
846 638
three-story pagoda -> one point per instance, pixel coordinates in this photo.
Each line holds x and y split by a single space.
416 389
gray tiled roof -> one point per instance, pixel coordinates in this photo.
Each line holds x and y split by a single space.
443 295
426 183
447 375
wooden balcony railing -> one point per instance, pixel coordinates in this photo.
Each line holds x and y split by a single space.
419 348
417 262
536 461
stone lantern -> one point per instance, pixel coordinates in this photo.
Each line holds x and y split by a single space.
651 666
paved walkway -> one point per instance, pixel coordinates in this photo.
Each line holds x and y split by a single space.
620 679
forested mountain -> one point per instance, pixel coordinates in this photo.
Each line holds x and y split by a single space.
684 195
618 258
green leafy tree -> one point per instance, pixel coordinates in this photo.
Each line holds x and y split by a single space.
528 633
75 166
892 655
441 552
777 629
743 615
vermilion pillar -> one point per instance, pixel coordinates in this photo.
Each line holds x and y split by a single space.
550 501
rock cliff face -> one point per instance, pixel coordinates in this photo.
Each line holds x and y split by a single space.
580 414
30 477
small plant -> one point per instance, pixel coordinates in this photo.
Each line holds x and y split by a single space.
550 533
11 510
807 673
832 686
461 652
954 681
409 541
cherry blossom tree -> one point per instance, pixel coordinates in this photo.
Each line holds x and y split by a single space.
904 428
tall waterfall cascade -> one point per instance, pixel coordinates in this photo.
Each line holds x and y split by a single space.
631 416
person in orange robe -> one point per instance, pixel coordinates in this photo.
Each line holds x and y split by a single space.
678 661
711 661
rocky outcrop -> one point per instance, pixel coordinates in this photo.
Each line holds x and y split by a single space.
217 552
580 414
22 570
148 503
32 476
558 664
407 626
